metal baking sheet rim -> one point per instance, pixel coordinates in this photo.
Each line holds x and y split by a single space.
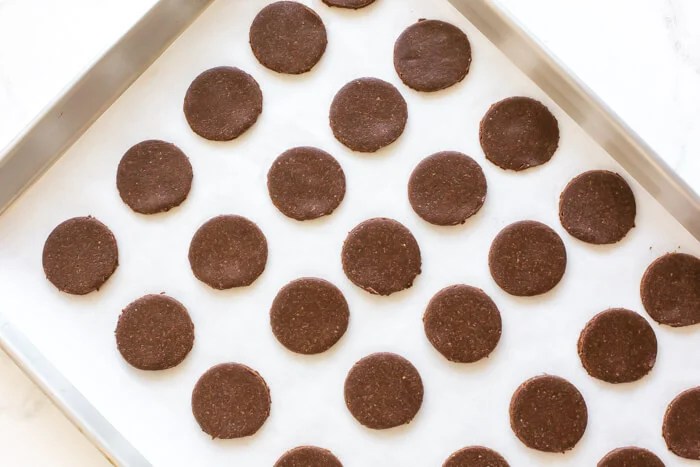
63 122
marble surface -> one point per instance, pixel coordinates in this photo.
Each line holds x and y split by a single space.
642 58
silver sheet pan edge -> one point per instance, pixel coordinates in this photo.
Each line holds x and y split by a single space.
62 123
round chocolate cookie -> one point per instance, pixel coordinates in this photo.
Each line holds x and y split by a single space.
309 315
351 4
462 323
368 114
288 37
671 290
154 176
630 457
306 183
383 390
475 456
681 428
228 251
548 413
432 55
617 346
597 207
222 103
447 188
230 400
79 255
518 133
308 456
154 332
381 256
527 258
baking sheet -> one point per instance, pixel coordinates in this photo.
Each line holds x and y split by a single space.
464 404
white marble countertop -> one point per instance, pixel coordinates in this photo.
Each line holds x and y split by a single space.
642 58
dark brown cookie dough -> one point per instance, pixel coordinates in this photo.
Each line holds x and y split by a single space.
447 188
222 103
548 413
462 323
306 183
154 176
475 456
351 4
383 390
368 114
308 456
597 207
288 37
527 258
670 290
79 255
617 346
681 428
230 400
432 55
154 332
381 256
228 251
309 315
518 133
630 457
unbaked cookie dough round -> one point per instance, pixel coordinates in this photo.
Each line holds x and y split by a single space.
518 133
681 428
630 456
230 401
548 413
154 176
306 183
431 55
288 37
670 290
368 114
383 390
597 207
381 256
222 103
228 251
308 456
475 456
447 188
154 332
79 255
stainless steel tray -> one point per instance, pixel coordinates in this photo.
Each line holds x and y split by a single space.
60 125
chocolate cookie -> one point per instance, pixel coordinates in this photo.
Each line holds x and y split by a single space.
222 103
154 176
681 428
630 457
228 251
432 55
351 4
447 188
309 315
230 400
381 256
308 456
288 37
306 183
597 207
475 456
79 255
518 133
383 390
462 323
617 346
671 290
154 332
548 413
527 258
368 114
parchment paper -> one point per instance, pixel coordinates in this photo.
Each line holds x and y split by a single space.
464 404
